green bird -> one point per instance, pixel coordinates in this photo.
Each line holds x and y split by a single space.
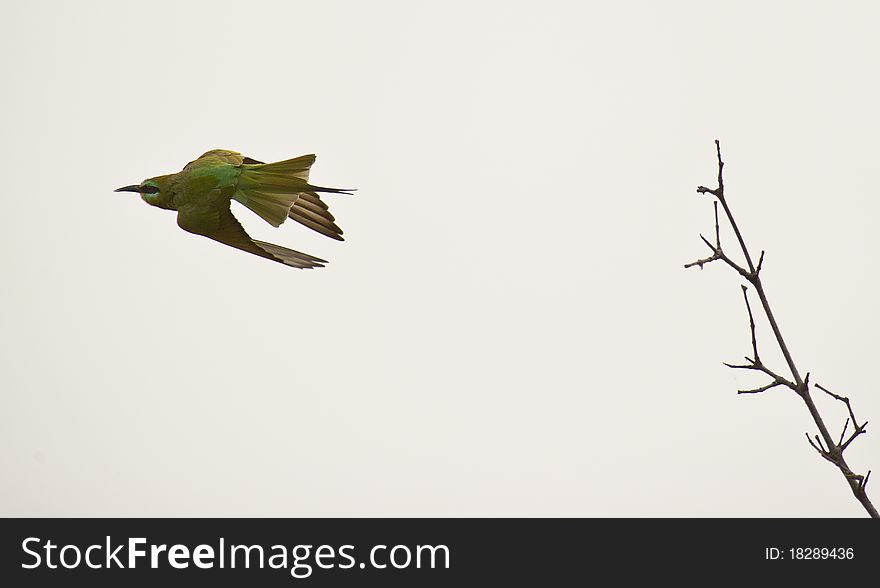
203 191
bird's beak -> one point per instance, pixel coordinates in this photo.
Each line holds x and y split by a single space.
134 188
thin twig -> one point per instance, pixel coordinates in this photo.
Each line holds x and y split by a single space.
858 429
843 432
843 399
763 388
760 367
717 253
751 323
717 230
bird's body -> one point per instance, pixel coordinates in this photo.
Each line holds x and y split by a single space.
202 193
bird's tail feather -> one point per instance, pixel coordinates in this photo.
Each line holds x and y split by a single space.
272 207
298 167
271 189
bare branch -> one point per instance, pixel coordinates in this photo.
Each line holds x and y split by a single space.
801 386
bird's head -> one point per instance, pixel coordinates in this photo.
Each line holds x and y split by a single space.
154 191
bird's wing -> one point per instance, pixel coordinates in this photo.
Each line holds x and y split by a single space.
220 225
221 155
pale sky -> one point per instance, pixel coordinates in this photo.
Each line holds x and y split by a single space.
507 330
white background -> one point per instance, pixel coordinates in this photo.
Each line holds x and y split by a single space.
508 328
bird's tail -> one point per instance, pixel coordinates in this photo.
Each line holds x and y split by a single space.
272 189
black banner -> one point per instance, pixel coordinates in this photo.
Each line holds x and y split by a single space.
429 552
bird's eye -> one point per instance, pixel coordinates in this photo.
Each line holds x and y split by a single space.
149 189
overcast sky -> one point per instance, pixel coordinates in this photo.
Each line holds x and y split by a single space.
508 328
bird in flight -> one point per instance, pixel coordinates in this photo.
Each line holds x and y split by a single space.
203 191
